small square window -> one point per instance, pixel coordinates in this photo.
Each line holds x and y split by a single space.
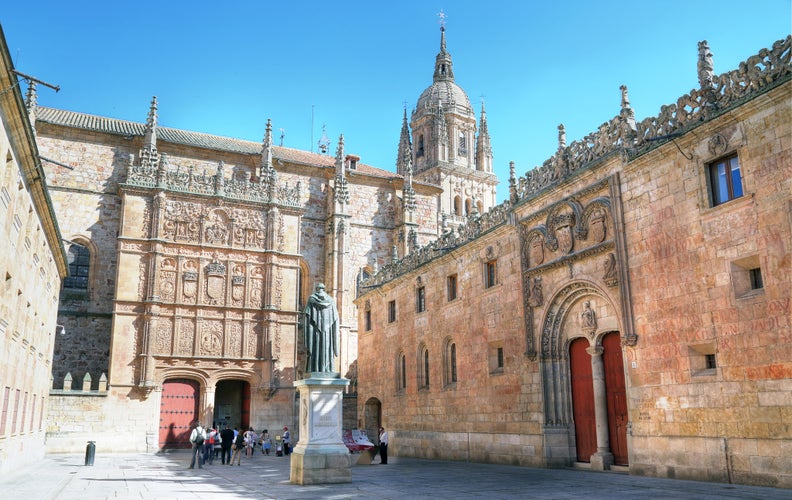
451 285
702 359
491 274
725 180
496 357
391 311
746 275
420 299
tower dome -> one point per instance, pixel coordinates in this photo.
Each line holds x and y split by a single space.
443 93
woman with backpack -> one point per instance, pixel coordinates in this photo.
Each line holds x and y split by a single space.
239 445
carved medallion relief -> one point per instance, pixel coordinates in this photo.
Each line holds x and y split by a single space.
211 338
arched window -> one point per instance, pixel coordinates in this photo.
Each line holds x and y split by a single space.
457 206
79 260
420 151
423 367
461 144
449 363
401 372
468 206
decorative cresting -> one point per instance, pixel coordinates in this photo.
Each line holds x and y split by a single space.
475 227
554 354
152 170
622 135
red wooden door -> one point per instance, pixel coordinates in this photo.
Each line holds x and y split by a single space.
583 400
245 406
616 395
178 410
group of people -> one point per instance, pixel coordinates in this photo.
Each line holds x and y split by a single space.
205 444
230 443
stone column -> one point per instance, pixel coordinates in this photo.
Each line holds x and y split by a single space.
320 456
603 458
206 414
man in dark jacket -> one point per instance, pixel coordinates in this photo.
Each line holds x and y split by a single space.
227 437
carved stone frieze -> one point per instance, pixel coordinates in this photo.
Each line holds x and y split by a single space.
164 337
186 337
235 340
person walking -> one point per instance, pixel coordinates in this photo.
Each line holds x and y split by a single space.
250 441
383 446
286 441
239 445
226 441
197 437
209 442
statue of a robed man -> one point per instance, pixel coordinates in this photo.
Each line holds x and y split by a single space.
321 331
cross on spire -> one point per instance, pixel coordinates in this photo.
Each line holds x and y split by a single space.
442 19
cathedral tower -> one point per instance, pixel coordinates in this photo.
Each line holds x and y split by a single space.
447 152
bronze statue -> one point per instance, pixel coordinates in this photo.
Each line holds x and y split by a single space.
321 331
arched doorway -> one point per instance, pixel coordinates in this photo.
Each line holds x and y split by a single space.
372 418
178 410
583 410
232 404
616 395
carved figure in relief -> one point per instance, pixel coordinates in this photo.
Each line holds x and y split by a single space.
588 317
321 331
536 252
537 298
610 277
216 232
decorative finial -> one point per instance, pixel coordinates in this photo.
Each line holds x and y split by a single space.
324 141
442 19
706 69
625 99
561 136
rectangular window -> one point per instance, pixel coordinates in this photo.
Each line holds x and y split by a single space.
709 359
4 416
16 413
725 180
451 284
491 274
756 278
500 357
24 413
391 311
367 316
420 299
33 414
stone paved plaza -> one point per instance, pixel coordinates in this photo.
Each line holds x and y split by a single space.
166 476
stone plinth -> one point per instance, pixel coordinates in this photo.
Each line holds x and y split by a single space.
320 456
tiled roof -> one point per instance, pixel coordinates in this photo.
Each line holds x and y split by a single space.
197 139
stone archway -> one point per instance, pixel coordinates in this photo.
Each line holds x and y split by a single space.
580 310
372 418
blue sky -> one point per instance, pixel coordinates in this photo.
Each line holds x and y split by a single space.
225 67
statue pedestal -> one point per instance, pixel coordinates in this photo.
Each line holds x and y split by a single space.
320 456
